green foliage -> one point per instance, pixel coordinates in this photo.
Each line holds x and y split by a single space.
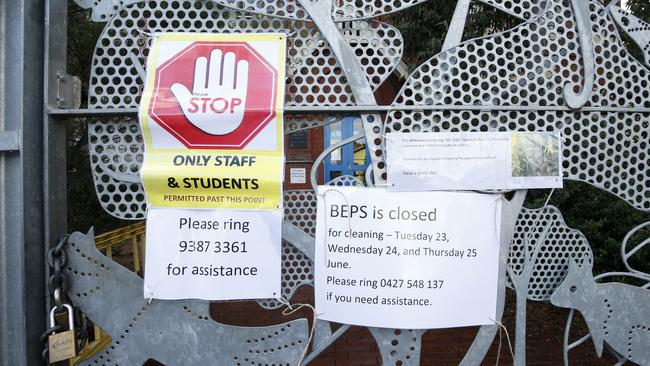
640 8
604 218
484 20
424 26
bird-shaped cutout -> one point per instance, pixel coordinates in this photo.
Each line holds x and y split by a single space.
172 332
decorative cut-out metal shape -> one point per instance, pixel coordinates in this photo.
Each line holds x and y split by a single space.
102 10
541 249
314 75
516 81
617 314
636 28
398 346
116 154
567 55
111 296
630 247
633 243
338 10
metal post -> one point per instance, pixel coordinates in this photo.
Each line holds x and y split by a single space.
22 259
54 132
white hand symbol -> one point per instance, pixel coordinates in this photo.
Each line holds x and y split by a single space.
218 107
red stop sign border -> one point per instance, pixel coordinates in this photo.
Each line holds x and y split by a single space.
254 122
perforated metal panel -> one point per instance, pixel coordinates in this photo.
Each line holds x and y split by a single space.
636 28
297 267
526 70
398 346
523 9
300 209
290 9
116 154
551 245
341 10
314 77
345 181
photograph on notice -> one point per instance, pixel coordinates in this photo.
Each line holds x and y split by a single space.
535 154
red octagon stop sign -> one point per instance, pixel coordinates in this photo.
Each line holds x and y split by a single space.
260 96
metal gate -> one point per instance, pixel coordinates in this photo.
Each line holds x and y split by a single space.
563 68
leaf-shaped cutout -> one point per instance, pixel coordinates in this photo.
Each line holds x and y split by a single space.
526 68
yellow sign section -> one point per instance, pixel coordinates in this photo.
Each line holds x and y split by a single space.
213 179
211 117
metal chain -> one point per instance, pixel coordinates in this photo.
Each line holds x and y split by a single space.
56 286
56 259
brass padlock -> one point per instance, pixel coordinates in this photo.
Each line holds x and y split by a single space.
62 345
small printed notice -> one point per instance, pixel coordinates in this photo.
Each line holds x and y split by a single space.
213 254
406 260
473 160
298 175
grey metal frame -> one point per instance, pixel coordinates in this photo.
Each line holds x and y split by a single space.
35 99
32 169
22 221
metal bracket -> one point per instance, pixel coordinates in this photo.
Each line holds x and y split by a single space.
9 141
68 91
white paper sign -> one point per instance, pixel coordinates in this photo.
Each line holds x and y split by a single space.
213 254
298 175
406 260
473 160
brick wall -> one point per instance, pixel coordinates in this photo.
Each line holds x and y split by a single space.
439 347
